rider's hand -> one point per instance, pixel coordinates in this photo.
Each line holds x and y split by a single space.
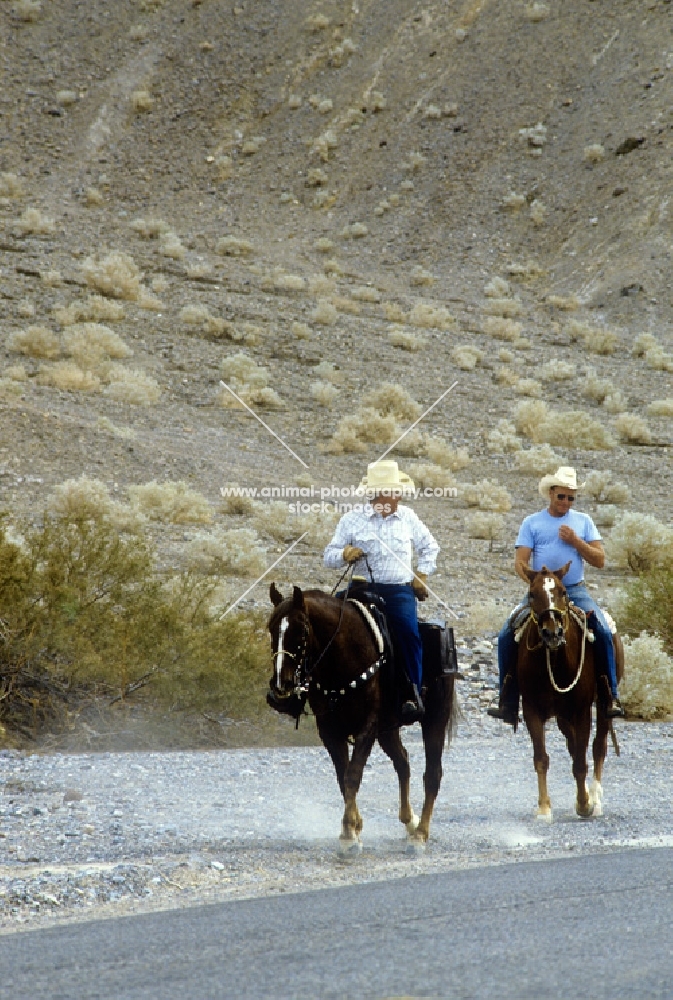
351 554
418 586
566 534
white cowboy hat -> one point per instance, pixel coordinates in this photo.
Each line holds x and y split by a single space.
385 476
565 475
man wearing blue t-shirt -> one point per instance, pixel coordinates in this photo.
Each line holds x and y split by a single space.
551 538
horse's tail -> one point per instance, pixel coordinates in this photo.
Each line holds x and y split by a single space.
454 714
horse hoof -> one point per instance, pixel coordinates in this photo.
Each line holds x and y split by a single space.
416 846
412 825
585 813
349 846
543 816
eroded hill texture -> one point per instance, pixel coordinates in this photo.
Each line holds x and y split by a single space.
338 208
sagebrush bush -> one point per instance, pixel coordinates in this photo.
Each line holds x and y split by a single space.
537 460
151 228
33 223
366 426
133 386
633 428
466 356
393 399
567 428
507 308
486 494
249 381
661 407
325 313
69 377
329 371
175 502
647 688
640 542
93 309
116 275
88 499
485 525
89 343
234 246
528 387
431 316
440 452
602 489
35 342
427 474
324 393
406 340
11 185
497 288
556 370
647 603
502 328
502 438
596 339
232 552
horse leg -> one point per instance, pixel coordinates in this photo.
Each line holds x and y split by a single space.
535 727
433 739
584 805
599 752
337 748
351 825
391 744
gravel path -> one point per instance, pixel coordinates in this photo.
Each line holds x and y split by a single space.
104 834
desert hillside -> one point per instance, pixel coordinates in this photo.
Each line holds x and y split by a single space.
340 209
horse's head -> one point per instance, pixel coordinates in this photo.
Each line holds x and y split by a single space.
548 600
290 628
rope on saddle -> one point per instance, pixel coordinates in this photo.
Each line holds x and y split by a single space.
582 622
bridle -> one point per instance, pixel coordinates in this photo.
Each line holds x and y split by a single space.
561 616
301 671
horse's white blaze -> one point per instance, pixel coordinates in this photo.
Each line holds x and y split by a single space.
282 629
549 584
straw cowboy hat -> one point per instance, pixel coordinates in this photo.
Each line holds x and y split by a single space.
565 475
385 477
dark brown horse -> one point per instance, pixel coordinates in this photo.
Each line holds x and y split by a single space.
557 677
325 650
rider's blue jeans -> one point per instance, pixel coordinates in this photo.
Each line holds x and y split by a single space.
403 619
580 596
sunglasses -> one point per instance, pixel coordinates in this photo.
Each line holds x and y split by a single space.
565 496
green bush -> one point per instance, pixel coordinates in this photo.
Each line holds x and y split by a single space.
647 605
83 612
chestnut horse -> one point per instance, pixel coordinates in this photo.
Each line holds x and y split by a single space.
326 651
557 677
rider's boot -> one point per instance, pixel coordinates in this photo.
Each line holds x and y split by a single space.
611 705
413 708
506 707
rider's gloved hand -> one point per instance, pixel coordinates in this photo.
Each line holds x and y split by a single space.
418 586
351 554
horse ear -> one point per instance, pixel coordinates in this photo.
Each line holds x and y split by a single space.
275 595
560 573
298 598
530 573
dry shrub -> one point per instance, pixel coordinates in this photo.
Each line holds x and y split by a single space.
69 377
659 360
319 285
316 177
233 552
595 387
600 486
325 313
497 288
354 231
412 444
117 275
170 246
431 316
502 438
527 271
538 460
616 402
323 245
528 387
565 303
512 201
643 343
505 307
35 342
556 370
175 502
33 223
506 376
483 524
640 542
593 153
596 339
125 433
302 331
25 309
324 393
440 452
346 305
466 356
16 373
151 228
406 340
647 603
487 495
234 246
132 386
9 388
322 146
52 279
283 524
288 283
364 293
391 399
11 186
213 326
503 329
394 312
366 426
159 284
538 212
90 343
505 355
141 101
536 12
317 22
88 499
420 277
427 475
661 407
249 381
647 688
605 516
633 429
237 505
93 197
92 309
328 370
529 415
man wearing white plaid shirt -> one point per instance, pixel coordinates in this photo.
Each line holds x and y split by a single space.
381 538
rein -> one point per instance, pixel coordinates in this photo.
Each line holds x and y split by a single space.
582 622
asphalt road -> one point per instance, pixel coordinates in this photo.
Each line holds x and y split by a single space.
592 926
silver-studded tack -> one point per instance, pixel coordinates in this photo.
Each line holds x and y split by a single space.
364 675
354 684
317 684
